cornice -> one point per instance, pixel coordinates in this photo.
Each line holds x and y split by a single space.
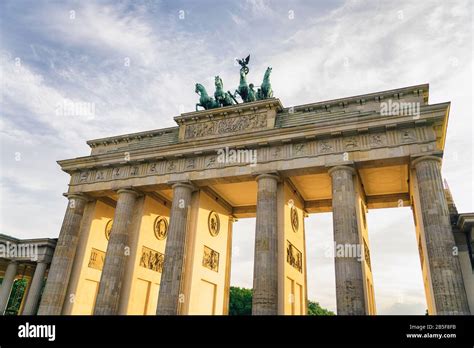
361 99
369 123
191 117
273 102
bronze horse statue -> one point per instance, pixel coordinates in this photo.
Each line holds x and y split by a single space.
222 98
265 91
245 91
204 100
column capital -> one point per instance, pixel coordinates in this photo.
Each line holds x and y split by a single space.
46 262
129 190
337 168
272 175
185 183
77 195
417 160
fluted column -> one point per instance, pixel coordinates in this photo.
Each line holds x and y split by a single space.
35 289
447 283
265 275
7 284
171 279
108 297
349 280
60 271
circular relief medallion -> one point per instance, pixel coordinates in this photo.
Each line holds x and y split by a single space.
160 227
108 229
294 219
213 223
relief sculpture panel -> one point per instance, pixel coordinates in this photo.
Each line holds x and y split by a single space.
226 125
152 259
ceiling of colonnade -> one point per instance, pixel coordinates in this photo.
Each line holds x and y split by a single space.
383 186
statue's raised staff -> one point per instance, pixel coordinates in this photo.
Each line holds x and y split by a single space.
243 90
244 62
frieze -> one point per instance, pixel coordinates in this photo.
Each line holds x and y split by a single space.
211 161
326 146
226 126
190 163
367 255
171 166
210 259
274 152
152 259
299 149
100 175
96 259
407 136
120 172
294 219
134 170
351 143
294 257
83 176
378 139
153 168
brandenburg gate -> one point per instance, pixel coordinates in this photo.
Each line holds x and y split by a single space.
148 225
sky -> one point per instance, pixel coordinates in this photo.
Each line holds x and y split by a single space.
137 62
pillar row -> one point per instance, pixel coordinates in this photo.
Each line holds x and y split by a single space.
349 277
265 275
56 286
447 283
108 297
7 284
172 276
35 289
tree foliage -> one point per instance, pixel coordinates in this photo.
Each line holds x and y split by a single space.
240 303
315 309
16 296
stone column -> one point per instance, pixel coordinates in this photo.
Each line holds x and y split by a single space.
228 267
7 284
108 297
265 274
171 279
35 289
445 270
349 280
60 271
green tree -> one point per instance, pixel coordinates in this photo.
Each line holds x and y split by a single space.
16 296
315 309
240 303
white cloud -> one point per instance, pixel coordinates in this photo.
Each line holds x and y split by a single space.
358 47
